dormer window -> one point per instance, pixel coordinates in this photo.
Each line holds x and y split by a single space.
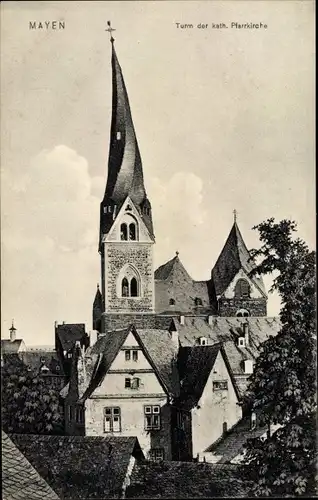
172 302
198 301
241 341
118 136
203 341
44 369
248 366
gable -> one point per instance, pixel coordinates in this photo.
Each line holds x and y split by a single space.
255 292
219 374
128 214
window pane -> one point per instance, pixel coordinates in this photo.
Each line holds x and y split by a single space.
124 288
108 411
148 422
116 411
127 355
156 421
123 232
133 288
156 409
135 383
107 424
132 231
147 409
135 355
127 383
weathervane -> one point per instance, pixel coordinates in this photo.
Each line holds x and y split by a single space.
235 214
110 31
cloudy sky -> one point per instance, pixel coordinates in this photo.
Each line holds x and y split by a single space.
224 120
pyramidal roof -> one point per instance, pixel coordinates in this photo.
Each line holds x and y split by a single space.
163 272
234 257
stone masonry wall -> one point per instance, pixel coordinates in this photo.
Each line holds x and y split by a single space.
229 307
140 256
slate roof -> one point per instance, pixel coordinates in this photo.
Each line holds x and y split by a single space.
195 365
227 330
36 359
69 333
157 347
81 467
186 480
9 347
233 257
229 446
20 480
172 281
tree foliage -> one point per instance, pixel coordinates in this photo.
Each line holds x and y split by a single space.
282 388
28 405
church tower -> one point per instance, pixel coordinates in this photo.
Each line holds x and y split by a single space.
126 236
237 292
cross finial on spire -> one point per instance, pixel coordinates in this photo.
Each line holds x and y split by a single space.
177 253
235 214
12 327
110 31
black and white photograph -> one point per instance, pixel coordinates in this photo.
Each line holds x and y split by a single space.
158 263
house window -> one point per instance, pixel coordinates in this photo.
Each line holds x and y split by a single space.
70 413
220 385
152 417
79 415
112 419
241 341
127 355
242 289
180 420
118 136
156 454
203 341
172 302
132 383
135 355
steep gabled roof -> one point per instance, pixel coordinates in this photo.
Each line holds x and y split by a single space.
20 480
69 333
232 443
11 347
81 467
156 348
234 257
186 480
195 365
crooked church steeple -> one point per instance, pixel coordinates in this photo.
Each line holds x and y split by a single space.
125 173
126 231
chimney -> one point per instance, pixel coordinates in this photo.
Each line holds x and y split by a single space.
246 332
181 319
12 331
93 337
174 336
210 320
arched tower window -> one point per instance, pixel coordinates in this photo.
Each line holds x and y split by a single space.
125 288
242 289
172 302
132 231
128 284
134 288
123 232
